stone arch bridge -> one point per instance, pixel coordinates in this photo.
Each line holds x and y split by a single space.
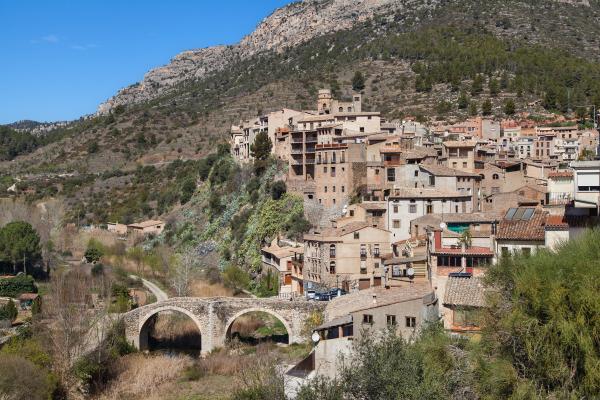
215 315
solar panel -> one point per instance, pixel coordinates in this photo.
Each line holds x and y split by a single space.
511 213
519 214
528 214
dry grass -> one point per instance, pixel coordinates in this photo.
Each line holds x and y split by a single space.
200 288
247 325
171 326
139 375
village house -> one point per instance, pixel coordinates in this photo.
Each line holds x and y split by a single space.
115 227
586 187
277 258
459 155
463 302
528 194
347 257
407 204
150 227
370 312
560 187
521 230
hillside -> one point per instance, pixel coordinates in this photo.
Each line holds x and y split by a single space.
418 57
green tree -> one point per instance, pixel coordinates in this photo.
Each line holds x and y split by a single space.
477 85
494 87
463 100
486 107
473 109
19 243
261 148
94 251
358 82
509 107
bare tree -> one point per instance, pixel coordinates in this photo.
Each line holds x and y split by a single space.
183 271
76 325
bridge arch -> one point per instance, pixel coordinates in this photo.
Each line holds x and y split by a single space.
143 327
245 311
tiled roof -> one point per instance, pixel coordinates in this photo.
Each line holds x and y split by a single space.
520 229
463 143
146 224
556 223
471 251
440 170
560 174
466 291
410 193
376 297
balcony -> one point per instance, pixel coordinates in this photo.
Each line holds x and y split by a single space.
311 139
309 161
296 139
297 151
310 149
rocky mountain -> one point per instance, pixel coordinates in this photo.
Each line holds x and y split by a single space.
304 20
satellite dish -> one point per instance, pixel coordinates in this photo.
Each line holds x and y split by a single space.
315 337
410 271
443 225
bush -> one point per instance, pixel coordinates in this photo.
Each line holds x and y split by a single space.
9 311
278 190
13 287
98 269
21 379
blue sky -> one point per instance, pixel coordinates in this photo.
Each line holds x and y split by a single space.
60 59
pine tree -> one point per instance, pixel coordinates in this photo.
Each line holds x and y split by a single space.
261 148
509 107
494 87
358 82
486 107
463 101
473 109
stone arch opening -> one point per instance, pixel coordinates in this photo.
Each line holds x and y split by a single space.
279 332
171 328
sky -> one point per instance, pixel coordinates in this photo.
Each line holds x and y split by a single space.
60 59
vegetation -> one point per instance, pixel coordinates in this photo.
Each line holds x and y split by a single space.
14 286
19 244
9 311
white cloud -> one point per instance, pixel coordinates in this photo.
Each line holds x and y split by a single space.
83 47
51 39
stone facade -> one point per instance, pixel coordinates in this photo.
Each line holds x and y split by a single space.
214 317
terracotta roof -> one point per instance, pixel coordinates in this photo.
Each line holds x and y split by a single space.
471 251
337 233
466 291
409 193
28 296
457 143
560 174
374 206
146 224
518 227
364 299
440 170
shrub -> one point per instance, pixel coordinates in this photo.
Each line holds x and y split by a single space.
12 287
278 190
21 379
9 311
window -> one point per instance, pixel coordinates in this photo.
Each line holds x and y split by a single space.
333 201
363 250
429 208
376 171
396 224
431 180
412 209
391 174
352 213
356 235
504 251
391 320
325 189
376 250
368 319
333 189
332 171
411 322
495 176
343 189
396 209
526 251
417 173
332 268
332 251
464 165
362 129
325 170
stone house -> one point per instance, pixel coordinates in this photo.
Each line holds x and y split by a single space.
521 230
459 154
150 227
463 301
349 257
526 195
277 258
407 204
